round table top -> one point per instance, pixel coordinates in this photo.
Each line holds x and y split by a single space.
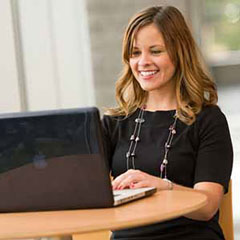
161 206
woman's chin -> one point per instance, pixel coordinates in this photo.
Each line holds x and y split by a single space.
147 88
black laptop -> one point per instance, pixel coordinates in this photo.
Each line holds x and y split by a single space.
54 160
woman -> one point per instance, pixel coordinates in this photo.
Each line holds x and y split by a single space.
168 131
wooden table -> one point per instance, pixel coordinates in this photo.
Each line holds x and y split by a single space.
161 206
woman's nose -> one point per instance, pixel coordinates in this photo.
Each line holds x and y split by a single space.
144 59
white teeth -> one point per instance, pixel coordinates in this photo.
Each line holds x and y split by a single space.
148 73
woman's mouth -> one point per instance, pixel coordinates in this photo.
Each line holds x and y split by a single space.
148 73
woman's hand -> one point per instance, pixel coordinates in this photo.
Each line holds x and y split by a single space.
138 179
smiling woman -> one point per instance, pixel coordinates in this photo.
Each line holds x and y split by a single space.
167 131
151 64
193 85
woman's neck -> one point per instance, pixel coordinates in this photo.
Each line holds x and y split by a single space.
161 102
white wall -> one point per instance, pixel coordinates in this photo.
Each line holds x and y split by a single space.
47 49
9 89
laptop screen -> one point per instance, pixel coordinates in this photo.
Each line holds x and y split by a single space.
53 160
34 137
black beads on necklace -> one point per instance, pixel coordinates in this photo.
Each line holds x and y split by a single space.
134 139
172 132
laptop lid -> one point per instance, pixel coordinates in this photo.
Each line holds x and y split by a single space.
53 160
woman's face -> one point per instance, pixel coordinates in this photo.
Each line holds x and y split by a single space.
150 62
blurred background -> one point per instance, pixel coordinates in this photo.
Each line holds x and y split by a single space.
67 53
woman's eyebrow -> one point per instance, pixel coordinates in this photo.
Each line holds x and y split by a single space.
158 45
153 46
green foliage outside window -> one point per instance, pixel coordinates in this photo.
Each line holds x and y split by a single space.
222 25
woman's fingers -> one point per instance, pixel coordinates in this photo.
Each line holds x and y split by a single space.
125 179
117 181
140 184
128 181
138 179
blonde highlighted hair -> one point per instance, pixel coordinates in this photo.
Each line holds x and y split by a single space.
194 86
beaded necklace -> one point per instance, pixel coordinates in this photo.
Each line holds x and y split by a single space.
135 138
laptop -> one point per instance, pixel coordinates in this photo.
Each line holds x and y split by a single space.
54 160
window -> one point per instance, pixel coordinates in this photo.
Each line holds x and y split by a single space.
221 31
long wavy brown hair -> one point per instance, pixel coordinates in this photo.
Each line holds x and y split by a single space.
194 86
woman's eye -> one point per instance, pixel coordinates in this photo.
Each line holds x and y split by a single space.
156 51
135 53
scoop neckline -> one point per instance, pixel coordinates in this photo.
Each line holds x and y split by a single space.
156 111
